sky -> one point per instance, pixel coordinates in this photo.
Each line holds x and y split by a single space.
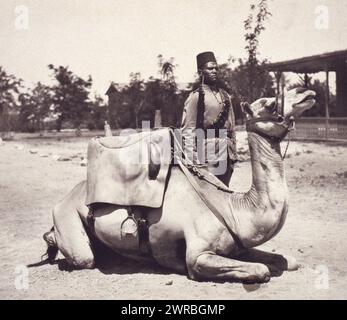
109 39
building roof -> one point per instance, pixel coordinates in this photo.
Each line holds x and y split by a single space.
115 87
312 64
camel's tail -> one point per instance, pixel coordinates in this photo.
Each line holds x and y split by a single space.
52 250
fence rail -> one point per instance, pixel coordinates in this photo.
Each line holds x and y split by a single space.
321 129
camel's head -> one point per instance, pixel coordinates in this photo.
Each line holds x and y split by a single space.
270 118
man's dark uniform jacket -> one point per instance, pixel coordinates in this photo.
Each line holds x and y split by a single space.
218 148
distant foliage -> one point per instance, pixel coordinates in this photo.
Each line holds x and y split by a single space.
67 103
234 77
9 89
129 106
34 106
253 68
247 79
97 114
70 97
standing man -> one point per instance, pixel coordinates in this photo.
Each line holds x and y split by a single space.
208 122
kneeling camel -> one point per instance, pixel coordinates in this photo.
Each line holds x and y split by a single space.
184 235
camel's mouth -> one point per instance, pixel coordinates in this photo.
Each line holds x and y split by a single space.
310 97
306 103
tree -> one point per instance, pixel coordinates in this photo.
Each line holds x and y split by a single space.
26 112
254 25
133 99
166 68
169 103
247 79
152 100
98 114
140 98
34 106
235 79
9 89
168 92
70 96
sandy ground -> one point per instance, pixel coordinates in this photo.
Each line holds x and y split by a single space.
314 232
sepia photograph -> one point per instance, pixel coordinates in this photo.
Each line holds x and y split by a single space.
173 150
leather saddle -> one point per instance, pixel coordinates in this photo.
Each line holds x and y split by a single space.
129 169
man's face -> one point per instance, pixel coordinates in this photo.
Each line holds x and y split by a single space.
210 72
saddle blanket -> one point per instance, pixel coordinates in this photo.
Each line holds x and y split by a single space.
129 169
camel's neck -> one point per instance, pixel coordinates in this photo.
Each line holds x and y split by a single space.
259 213
268 179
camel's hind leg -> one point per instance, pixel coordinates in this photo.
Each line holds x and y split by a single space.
210 266
70 235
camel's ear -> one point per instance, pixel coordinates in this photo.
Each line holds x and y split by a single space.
246 108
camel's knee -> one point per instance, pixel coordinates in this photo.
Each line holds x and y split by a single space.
196 266
78 254
81 261
72 239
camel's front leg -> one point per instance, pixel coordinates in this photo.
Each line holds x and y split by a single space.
275 262
209 266
71 237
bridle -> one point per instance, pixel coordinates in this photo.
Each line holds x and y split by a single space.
277 117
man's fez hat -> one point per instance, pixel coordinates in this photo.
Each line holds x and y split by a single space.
204 57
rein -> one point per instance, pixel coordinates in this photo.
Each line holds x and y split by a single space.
190 170
194 169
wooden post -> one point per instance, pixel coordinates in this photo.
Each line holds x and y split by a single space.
278 75
327 103
306 80
282 89
108 132
341 89
157 119
108 106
